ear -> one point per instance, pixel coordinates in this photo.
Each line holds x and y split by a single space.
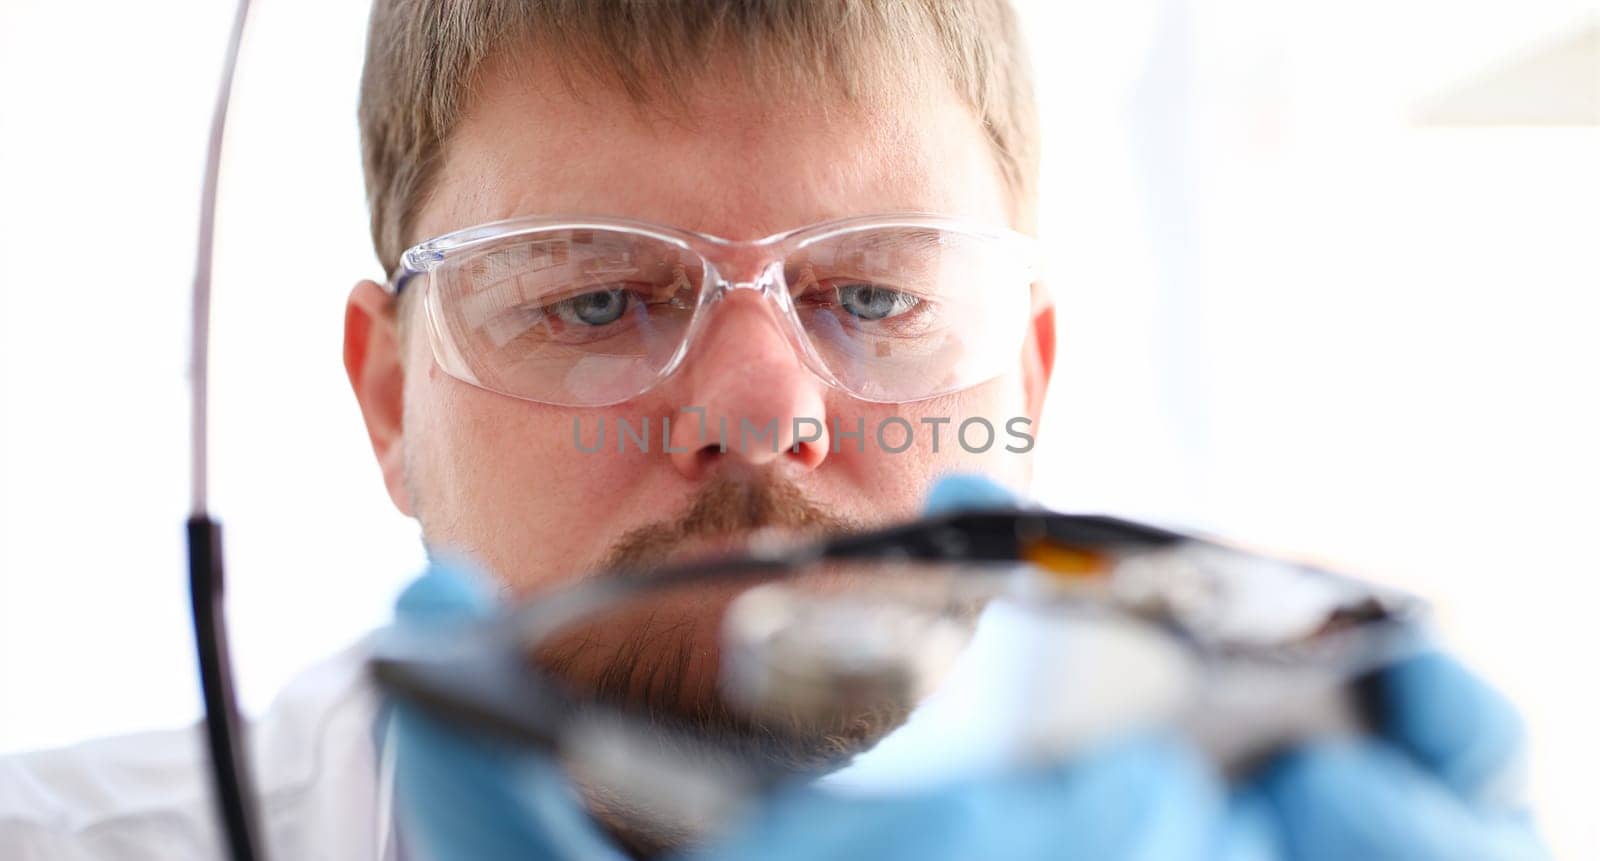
372 360
1039 352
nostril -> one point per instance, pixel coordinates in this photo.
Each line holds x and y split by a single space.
706 456
810 454
806 451
802 443
809 441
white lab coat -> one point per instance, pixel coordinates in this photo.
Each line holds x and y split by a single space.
318 769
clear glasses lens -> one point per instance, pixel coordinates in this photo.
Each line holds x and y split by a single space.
588 317
567 317
906 313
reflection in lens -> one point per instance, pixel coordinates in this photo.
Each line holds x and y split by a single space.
568 316
961 306
798 659
860 645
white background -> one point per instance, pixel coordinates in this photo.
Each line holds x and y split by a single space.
1292 313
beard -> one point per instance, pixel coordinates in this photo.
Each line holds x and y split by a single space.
658 657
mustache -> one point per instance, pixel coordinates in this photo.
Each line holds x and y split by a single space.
728 505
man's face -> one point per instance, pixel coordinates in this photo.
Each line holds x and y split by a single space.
503 481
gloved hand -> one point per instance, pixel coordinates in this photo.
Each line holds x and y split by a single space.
1440 780
459 797
1433 783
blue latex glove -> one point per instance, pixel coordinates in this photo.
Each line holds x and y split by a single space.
1437 782
463 798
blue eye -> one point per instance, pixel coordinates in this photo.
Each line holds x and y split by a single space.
870 302
599 308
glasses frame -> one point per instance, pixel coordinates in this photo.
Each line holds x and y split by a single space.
763 256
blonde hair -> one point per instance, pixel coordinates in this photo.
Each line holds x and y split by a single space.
422 56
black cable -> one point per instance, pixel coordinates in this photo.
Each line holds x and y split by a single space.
224 738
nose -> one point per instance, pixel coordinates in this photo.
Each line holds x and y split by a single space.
760 405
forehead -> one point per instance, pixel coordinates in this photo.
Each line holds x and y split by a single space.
729 158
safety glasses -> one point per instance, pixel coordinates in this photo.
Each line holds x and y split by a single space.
585 311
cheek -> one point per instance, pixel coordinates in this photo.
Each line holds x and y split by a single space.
896 482
499 480
471 452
